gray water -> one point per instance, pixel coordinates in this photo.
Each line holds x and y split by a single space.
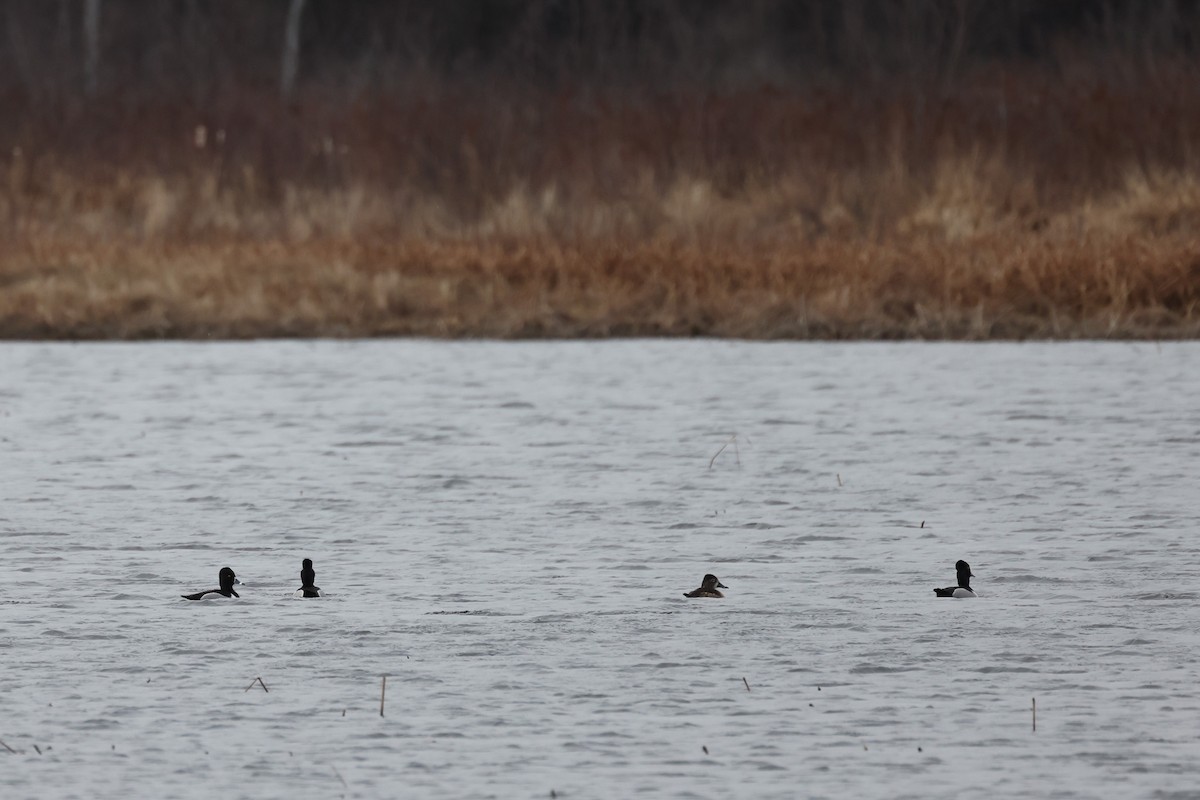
506 530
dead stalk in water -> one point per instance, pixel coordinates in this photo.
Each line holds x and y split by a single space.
737 454
382 694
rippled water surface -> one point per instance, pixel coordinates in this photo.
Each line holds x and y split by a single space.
506 531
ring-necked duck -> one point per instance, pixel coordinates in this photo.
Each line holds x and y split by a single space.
227 580
308 577
708 588
964 583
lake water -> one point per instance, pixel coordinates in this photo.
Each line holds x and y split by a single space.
506 531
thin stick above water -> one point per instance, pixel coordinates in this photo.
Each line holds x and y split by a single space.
1035 715
259 681
736 453
382 694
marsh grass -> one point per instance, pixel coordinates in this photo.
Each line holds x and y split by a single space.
1017 203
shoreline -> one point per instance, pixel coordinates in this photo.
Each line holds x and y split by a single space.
1026 202
975 291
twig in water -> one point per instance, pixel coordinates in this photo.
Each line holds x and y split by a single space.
1035 715
6 747
259 681
922 523
340 778
839 477
382 693
736 452
747 684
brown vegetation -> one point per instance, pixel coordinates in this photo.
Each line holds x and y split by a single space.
1015 202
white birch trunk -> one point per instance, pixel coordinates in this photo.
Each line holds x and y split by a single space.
91 46
291 48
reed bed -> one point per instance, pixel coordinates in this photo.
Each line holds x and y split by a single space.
1016 203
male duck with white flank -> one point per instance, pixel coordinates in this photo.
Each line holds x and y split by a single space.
964 583
227 580
708 588
308 577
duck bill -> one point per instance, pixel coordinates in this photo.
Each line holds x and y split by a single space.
721 585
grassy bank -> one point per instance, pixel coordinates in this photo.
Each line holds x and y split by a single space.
1015 203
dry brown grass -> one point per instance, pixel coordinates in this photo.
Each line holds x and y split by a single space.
1015 205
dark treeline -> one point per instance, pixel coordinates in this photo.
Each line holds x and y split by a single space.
195 50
